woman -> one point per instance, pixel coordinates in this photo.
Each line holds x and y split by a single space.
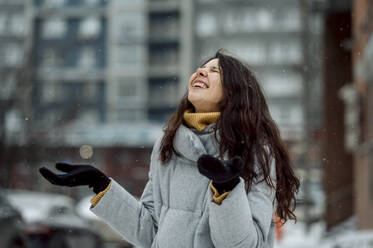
217 175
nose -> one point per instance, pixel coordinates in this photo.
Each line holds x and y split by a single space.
202 72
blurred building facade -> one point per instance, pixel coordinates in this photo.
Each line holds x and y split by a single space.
268 35
70 82
127 61
347 130
69 47
114 62
107 74
93 81
14 47
170 54
13 32
103 77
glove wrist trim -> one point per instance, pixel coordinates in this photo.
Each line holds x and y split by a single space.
98 197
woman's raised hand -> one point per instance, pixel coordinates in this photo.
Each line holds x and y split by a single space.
76 175
223 173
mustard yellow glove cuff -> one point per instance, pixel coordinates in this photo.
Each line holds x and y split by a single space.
218 198
98 197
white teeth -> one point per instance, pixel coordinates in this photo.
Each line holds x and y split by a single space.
199 84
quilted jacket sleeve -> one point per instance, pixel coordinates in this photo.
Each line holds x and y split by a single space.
134 220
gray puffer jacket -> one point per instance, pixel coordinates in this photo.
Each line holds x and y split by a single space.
176 208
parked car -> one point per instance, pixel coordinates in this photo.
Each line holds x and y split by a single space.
12 226
52 221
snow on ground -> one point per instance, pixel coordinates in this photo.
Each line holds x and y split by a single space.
344 235
296 235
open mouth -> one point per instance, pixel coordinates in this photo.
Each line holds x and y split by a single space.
199 84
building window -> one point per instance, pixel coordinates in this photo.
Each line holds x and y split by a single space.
13 121
287 116
164 26
51 92
292 115
17 24
316 23
252 51
129 28
3 23
13 54
129 89
285 51
129 114
275 112
296 115
90 28
51 58
292 20
288 20
87 58
264 19
207 24
90 90
130 57
282 85
52 116
54 28
54 3
160 115
88 116
163 94
91 2
247 20
162 57
209 48
8 86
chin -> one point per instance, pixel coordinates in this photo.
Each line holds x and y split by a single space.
194 99
191 97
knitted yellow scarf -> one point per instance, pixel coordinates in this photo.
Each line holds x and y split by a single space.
200 120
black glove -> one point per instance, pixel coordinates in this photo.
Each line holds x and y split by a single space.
77 175
223 173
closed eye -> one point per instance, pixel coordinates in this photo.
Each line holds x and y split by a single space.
213 69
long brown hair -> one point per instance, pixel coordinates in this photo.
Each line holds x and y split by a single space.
245 129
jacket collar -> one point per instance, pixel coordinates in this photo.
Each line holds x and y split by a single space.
189 145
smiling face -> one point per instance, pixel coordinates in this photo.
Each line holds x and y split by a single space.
205 89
